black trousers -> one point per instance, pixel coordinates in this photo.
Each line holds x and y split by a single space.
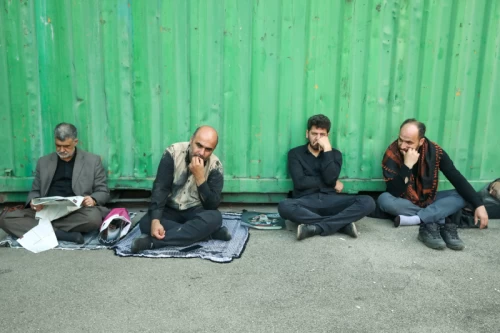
331 211
183 227
492 208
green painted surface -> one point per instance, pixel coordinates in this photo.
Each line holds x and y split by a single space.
135 76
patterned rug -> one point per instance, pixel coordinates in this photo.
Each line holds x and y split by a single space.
214 250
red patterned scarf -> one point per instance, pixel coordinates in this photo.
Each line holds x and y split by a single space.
422 189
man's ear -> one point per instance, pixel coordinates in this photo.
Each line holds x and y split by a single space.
75 141
307 134
421 142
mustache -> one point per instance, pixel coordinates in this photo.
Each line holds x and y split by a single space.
64 155
314 146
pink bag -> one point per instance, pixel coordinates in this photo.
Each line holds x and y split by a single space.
114 227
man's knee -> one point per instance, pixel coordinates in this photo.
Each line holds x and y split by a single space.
211 217
367 203
385 200
94 217
4 225
2 221
285 207
20 220
86 220
459 199
145 224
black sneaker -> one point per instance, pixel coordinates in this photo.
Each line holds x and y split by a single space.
141 244
306 230
450 237
350 230
430 236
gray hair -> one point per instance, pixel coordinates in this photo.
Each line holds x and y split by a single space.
65 131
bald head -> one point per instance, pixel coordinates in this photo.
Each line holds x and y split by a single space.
203 142
418 124
206 131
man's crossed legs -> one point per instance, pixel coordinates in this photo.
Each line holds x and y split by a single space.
326 213
182 228
433 232
68 228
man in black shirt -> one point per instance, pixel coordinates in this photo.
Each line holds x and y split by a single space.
66 172
411 167
186 193
317 205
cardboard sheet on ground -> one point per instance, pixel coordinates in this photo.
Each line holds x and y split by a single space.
57 207
39 238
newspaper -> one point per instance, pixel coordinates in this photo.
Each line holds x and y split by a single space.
39 238
57 207
42 237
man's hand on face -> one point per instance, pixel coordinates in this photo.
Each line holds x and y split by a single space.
411 157
481 217
88 201
339 186
36 208
157 230
324 144
197 168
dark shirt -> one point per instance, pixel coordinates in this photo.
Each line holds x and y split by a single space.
397 185
175 186
61 182
311 174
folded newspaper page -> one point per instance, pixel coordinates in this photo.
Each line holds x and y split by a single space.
57 207
39 238
42 237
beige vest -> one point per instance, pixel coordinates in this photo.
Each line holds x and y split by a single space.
184 190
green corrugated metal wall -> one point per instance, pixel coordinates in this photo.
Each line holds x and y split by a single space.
135 76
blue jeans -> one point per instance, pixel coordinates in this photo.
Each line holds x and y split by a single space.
447 203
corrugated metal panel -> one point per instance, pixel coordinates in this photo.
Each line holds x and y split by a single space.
135 76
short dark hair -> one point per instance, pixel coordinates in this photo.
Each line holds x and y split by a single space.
65 131
420 126
320 121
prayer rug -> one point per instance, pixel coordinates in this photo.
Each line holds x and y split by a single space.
214 250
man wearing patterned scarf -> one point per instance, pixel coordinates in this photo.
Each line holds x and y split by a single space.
411 167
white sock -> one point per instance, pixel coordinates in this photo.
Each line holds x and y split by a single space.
409 220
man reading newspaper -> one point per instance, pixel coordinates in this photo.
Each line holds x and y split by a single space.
68 172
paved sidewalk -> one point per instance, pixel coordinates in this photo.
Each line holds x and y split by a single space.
384 281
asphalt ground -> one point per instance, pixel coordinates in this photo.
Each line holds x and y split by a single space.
384 281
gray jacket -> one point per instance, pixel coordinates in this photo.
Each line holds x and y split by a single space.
89 177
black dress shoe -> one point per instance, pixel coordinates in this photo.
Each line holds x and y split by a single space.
350 230
221 234
140 244
307 230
